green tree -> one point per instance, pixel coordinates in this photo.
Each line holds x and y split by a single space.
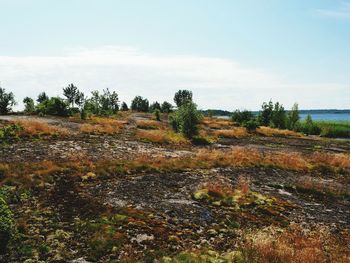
293 118
7 101
265 114
278 118
242 116
140 104
42 97
109 102
70 92
29 106
157 114
154 106
124 107
182 97
186 119
166 107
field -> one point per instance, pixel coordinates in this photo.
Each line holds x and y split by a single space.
332 129
129 189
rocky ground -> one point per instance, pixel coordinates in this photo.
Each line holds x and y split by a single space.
80 214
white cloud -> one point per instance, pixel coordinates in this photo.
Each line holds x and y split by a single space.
215 82
341 12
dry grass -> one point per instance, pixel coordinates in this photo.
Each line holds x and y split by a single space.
270 132
99 126
37 129
161 136
216 123
150 125
295 245
235 132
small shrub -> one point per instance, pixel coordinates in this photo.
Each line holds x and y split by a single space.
157 114
7 227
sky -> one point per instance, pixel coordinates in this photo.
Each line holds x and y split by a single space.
231 54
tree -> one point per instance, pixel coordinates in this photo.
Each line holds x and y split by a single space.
242 116
124 107
42 97
140 104
29 106
109 102
278 118
266 113
79 99
182 97
293 118
154 106
54 106
186 119
166 107
7 101
70 92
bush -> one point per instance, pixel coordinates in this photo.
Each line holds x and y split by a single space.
278 117
7 100
154 106
251 125
7 226
124 107
309 127
9 131
242 116
186 119
157 114
293 118
265 114
166 107
54 106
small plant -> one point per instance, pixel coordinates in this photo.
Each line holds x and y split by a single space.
157 114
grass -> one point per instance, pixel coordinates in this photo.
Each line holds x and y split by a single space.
272 132
150 125
217 123
161 136
38 129
100 126
334 129
234 132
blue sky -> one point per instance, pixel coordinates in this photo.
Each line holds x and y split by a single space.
232 54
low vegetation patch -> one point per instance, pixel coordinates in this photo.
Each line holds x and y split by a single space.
161 136
217 123
234 132
270 132
100 126
150 125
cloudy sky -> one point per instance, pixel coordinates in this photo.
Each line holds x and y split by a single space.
231 54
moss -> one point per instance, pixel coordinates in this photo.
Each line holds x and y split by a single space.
7 227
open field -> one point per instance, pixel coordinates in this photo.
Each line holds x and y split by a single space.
129 189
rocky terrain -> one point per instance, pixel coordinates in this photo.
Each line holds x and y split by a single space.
110 196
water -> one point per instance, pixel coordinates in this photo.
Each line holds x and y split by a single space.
327 116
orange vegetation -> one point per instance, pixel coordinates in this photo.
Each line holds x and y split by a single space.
99 125
161 136
234 132
36 128
216 123
150 125
267 131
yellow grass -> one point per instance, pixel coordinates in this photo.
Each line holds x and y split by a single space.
161 136
150 125
216 123
234 132
270 132
99 125
36 128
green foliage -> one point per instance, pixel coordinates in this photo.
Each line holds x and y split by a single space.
182 97
186 119
42 97
293 118
70 92
251 124
9 131
265 114
278 118
7 101
105 104
166 107
124 107
7 225
157 114
29 106
309 127
140 104
331 129
54 106
154 106
242 116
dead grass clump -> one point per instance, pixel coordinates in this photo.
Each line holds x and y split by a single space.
161 136
270 132
337 160
99 126
216 123
235 132
37 129
243 184
150 125
294 245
